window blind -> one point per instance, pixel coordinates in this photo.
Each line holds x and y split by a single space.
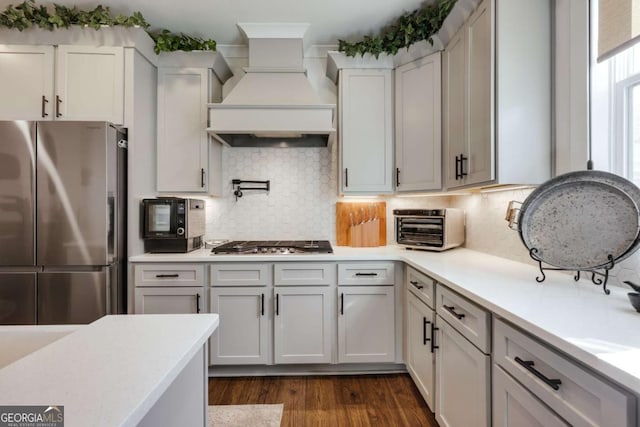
618 26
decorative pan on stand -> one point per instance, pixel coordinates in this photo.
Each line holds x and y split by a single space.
581 221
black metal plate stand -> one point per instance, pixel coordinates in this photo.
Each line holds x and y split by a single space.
599 276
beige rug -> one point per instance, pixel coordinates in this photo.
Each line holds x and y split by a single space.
245 415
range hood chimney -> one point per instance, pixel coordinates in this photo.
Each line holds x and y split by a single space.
274 104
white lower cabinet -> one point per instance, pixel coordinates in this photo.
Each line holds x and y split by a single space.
243 335
169 300
420 357
169 288
302 324
240 294
578 396
366 326
463 386
514 406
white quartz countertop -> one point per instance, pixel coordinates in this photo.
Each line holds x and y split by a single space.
108 373
601 331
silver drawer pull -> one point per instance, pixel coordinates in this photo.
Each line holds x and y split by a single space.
452 310
529 366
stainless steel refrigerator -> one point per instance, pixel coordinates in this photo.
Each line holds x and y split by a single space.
62 221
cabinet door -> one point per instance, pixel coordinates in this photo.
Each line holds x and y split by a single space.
420 359
480 126
26 82
89 84
453 100
169 300
366 131
462 381
514 406
366 326
418 125
243 334
302 326
182 123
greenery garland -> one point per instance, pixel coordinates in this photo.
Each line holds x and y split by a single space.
27 14
412 27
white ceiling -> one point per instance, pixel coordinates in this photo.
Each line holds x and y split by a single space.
330 19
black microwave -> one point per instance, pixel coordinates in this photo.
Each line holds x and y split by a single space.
172 224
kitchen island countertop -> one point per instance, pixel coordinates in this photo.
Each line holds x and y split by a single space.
108 373
598 330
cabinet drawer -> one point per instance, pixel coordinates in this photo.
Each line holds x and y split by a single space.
469 319
297 273
423 286
514 406
169 275
366 273
581 398
241 274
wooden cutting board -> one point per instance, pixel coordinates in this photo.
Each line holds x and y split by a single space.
369 233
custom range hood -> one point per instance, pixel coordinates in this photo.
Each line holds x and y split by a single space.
274 104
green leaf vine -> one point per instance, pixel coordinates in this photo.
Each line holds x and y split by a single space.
29 14
166 41
412 27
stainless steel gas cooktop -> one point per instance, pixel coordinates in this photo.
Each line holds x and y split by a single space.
273 247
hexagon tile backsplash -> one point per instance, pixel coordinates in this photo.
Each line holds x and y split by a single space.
300 204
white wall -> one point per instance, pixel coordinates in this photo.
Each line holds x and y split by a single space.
487 230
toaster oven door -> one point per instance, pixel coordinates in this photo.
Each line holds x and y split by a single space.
160 218
420 231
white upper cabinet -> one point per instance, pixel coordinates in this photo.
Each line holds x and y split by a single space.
497 96
26 82
366 131
479 166
418 125
89 83
453 100
188 161
183 94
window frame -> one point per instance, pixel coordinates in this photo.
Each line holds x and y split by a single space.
622 148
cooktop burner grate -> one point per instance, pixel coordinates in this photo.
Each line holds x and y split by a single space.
279 247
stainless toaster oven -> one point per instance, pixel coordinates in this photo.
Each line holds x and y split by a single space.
430 229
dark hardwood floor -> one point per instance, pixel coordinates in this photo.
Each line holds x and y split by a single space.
358 400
